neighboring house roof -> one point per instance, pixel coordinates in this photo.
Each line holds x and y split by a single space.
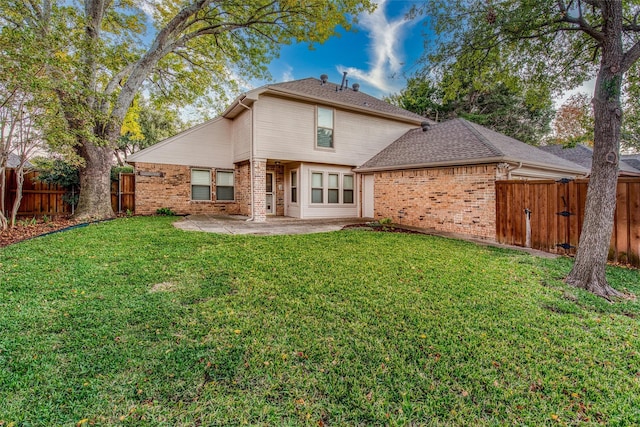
460 142
13 161
312 89
632 160
583 156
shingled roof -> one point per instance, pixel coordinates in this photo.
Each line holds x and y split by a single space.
460 142
331 94
632 160
583 156
13 161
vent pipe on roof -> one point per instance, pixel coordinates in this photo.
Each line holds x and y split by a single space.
323 79
344 78
356 87
425 126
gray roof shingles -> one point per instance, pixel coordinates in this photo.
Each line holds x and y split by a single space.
460 142
313 88
14 160
583 156
632 160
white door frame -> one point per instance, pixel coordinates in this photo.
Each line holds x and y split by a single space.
270 208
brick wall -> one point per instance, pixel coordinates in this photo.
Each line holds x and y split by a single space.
455 199
278 187
172 189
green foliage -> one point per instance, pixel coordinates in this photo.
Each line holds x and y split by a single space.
509 109
62 173
155 125
165 212
57 171
135 322
117 170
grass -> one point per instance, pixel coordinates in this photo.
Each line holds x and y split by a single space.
133 322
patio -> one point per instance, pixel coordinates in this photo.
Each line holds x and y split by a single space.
238 224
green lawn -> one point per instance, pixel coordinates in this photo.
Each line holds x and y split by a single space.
133 322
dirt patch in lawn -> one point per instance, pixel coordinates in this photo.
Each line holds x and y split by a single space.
384 229
27 229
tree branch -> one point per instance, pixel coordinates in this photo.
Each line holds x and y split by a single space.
631 56
582 24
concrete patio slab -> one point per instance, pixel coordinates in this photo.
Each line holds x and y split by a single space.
237 224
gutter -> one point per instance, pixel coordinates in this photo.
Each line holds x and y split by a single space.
511 169
468 162
251 156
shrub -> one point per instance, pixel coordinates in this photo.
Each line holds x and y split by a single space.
165 212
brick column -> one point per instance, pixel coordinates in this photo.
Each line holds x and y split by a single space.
259 190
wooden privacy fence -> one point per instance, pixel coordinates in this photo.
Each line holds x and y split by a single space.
39 198
548 215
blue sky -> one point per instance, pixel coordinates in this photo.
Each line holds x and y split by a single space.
379 53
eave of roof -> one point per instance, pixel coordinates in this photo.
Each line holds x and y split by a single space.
476 161
248 98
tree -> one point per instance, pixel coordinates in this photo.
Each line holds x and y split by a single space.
573 123
98 60
503 108
559 43
144 126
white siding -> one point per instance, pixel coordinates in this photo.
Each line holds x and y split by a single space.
207 145
324 210
242 137
286 130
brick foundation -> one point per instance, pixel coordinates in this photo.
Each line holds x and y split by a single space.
455 199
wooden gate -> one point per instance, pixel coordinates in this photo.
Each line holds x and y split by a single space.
123 193
553 212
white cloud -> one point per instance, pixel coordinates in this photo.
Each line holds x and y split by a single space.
287 74
386 53
587 87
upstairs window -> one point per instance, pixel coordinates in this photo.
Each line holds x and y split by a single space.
200 184
325 128
224 186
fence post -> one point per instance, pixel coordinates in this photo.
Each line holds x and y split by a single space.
527 213
119 192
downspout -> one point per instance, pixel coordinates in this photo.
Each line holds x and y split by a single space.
513 169
251 157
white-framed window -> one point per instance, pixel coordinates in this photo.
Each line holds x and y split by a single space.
324 138
317 187
200 184
347 189
294 186
224 186
332 188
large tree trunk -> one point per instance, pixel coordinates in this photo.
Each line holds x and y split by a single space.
593 248
95 182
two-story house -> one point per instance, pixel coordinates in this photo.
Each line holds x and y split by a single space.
314 149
